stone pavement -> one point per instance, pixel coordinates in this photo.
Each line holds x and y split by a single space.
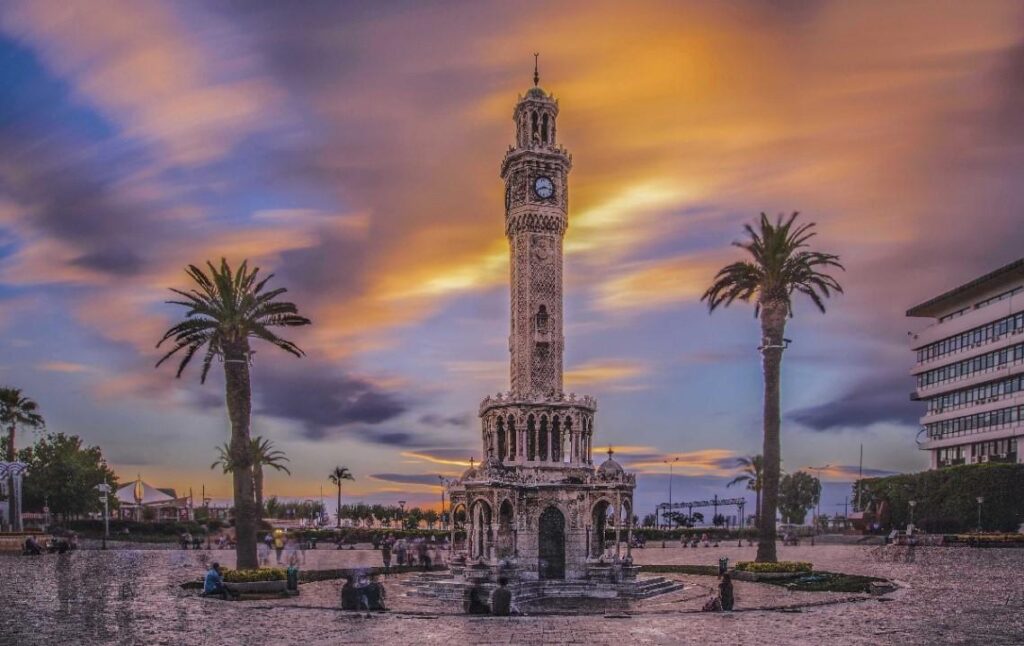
950 595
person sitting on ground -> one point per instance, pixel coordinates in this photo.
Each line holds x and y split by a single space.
473 603
213 584
501 599
713 604
725 592
32 547
349 594
373 595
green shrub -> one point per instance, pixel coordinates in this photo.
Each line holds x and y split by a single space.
947 498
251 576
780 567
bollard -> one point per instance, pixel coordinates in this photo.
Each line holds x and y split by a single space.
723 565
293 578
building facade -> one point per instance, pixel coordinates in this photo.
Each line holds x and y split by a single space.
536 507
970 370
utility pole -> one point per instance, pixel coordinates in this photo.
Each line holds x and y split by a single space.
670 464
105 490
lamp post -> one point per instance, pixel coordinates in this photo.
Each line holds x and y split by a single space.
443 484
817 512
670 464
981 499
401 514
912 503
105 490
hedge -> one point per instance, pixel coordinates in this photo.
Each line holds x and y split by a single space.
117 527
714 533
947 498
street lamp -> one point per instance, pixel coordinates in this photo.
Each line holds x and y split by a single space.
817 513
105 490
980 499
670 463
401 514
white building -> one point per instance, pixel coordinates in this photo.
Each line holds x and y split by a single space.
970 370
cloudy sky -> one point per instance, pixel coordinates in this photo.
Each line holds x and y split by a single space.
353 150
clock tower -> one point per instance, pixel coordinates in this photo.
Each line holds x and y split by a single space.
535 171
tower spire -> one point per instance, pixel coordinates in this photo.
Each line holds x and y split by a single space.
536 73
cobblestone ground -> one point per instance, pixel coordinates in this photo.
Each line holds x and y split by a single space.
949 595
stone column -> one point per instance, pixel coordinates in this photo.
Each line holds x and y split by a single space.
618 524
629 533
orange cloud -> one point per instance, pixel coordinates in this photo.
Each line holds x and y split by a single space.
605 371
703 462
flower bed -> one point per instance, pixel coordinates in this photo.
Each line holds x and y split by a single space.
259 574
787 567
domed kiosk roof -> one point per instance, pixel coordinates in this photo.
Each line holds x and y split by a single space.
610 468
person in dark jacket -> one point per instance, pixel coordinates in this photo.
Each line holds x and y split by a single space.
725 592
501 599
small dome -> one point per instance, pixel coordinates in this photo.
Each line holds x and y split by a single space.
536 92
610 468
470 473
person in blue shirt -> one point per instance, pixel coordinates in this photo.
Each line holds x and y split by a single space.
213 585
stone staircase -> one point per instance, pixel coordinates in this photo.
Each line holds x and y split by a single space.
442 586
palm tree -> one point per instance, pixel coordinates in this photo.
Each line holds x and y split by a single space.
779 265
226 310
263 454
752 476
15 410
339 475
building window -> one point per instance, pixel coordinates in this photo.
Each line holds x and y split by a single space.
971 338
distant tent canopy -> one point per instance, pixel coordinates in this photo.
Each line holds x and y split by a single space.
137 496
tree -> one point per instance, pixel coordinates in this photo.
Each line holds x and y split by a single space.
263 454
753 476
225 309
798 492
412 517
431 517
273 507
718 520
780 265
650 520
338 476
63 474
16 410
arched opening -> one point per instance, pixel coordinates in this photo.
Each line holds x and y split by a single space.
568 452
598 525
531 439
551 544
542 319
506 530
534 127
502 441
458 520
544 130
545 438
480 537
556 439
512 440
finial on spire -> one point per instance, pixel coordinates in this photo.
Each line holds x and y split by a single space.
536 73
610 452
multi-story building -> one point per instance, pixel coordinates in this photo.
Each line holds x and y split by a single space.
970 370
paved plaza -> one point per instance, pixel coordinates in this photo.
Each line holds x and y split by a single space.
948 595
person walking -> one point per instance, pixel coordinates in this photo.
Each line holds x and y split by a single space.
385 553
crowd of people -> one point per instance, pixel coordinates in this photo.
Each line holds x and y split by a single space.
412 552
704 541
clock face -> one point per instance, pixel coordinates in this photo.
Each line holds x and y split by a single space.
544 187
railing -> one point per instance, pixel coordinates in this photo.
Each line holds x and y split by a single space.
942 435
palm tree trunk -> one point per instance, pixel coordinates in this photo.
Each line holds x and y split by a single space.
757 507
12 502
338 514
239 402
773 326
257 485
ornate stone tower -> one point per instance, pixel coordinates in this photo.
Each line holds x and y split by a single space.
536 173
536 506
